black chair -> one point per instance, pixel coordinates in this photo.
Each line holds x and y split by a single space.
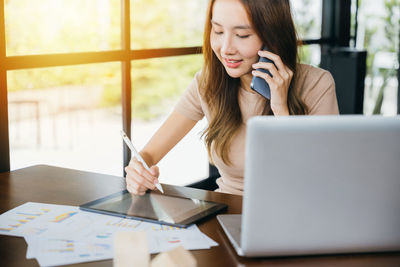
208 183
348 67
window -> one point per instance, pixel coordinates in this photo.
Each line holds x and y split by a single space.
62 26
66 116
378 32
167 23
157 85
65 81
307 18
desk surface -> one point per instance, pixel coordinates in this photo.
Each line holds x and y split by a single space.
55 185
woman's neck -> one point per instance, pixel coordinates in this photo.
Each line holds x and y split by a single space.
245 82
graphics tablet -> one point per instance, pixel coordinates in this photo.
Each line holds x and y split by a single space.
154 207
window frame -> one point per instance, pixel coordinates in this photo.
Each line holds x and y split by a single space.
125 55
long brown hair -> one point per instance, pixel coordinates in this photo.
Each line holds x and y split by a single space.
273 23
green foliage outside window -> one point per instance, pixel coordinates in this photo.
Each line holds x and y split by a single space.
390 44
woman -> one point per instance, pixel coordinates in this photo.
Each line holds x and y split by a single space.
234 33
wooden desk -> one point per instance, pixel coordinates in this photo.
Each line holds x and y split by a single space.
71 187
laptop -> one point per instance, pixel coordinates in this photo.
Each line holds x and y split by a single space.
319 185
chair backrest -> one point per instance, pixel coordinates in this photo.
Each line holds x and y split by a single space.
348 68
208 183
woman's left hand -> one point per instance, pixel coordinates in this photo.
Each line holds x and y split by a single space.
279 82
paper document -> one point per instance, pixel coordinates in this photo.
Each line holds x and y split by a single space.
59 234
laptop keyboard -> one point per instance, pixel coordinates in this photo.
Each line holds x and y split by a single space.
232 225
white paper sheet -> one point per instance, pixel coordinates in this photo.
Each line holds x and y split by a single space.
35 218
59 234
57 251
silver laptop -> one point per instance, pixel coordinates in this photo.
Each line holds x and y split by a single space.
319 185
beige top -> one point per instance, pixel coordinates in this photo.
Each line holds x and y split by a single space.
318 93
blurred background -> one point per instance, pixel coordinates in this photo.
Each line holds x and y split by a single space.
70 115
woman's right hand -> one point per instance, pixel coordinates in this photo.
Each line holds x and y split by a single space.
138 179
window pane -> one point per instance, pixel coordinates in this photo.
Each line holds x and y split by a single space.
167 23
307 16
157 85
378 33
66 116
62 26
310 54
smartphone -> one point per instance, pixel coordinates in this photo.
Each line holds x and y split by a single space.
260 85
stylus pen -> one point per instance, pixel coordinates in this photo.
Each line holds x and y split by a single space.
137 155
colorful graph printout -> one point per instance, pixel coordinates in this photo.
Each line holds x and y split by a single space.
60 234
34 218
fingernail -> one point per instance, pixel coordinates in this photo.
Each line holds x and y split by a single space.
156 181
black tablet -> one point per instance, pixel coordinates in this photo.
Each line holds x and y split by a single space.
154 207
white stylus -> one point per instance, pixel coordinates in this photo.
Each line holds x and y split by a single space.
137 155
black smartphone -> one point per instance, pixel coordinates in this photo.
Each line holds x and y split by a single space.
260 85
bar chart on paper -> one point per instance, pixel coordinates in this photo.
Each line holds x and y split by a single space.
123 223
64 216
31 218
18 219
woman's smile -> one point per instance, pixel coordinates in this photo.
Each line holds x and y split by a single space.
232 63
